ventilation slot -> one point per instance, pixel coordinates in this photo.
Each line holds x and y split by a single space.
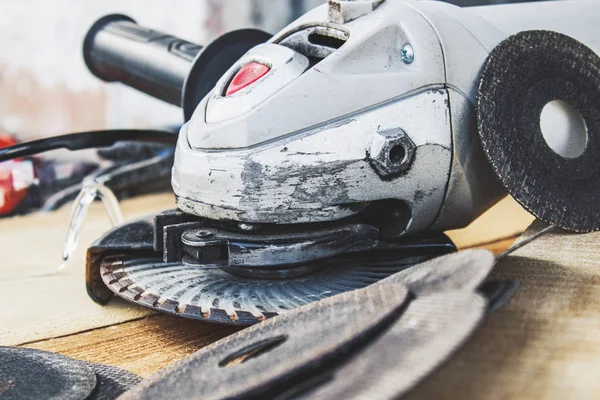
324 40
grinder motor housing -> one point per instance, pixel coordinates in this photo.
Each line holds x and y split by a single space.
356 111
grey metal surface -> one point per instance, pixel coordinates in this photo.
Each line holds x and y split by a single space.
325 173
342 11
302 153
391 152
128 261
275 248
317 51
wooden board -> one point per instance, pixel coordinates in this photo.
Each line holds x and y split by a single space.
55 314
41 308
143 346
506 220
545 343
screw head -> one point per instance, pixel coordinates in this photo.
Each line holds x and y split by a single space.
408 54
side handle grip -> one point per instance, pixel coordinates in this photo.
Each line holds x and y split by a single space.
117 49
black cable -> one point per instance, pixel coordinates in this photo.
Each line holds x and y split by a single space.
86 140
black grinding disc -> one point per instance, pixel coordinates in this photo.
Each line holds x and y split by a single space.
521 76
112 381
34 374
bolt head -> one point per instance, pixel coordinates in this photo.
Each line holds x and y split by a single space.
407 54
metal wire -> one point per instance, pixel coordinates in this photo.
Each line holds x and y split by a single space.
525 242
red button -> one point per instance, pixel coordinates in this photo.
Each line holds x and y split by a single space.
246 76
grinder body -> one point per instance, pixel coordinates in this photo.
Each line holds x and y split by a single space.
324 160
362 106
313 140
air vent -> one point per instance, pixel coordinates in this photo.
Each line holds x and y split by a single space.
324 40
315 42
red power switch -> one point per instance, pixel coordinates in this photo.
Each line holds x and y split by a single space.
246 76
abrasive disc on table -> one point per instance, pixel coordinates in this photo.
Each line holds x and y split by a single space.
521 76
35 374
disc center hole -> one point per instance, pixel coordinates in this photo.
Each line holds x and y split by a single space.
252 351
564 129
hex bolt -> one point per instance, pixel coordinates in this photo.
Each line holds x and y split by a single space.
391 152
407 54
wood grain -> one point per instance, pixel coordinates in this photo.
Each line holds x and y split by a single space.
143 346
507 219
543 344
55 314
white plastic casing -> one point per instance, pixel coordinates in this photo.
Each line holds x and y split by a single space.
297 149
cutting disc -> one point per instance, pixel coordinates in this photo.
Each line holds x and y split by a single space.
431 329
215 295
35 374
521 77
111 381
380 340
254 361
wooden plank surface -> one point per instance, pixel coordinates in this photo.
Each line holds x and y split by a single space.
543 344
42 308
143 346
59 317
506 220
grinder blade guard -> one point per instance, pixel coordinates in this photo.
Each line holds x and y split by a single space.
349 144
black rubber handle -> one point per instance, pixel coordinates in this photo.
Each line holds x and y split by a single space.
116 48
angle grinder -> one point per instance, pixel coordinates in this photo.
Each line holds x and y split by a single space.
337 152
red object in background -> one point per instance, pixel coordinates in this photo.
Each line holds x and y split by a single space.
246 76
10 197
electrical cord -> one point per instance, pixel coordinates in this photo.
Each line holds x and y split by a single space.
85 140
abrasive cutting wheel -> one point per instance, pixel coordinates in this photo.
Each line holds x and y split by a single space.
136 272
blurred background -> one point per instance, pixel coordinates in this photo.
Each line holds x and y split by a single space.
45 88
